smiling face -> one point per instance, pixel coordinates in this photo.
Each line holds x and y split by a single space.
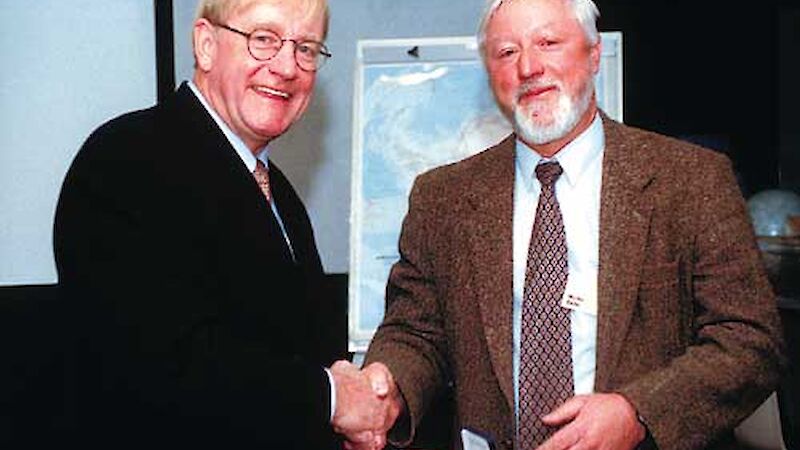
541 69
258 100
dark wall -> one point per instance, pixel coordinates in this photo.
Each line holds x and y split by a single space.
31 372
33 347
707 71
789 98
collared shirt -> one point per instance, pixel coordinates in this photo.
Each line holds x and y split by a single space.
578 194
244 153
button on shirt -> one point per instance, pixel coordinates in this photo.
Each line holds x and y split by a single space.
578 194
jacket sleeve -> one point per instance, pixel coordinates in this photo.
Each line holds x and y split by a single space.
734 353
411 339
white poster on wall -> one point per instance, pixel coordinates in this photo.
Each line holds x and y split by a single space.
419 104
67 68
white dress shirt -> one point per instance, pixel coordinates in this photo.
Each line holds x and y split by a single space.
578 194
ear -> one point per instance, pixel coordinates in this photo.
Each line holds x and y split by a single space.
205 44
595 51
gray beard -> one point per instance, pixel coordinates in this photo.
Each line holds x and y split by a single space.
565 117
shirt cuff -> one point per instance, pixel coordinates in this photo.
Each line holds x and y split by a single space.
332 387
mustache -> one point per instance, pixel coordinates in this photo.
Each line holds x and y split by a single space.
535 86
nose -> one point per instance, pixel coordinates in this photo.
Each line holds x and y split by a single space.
283 63
529 64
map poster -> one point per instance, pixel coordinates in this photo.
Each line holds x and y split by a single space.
419 104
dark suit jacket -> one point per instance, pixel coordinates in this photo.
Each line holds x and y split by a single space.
192 323
687 327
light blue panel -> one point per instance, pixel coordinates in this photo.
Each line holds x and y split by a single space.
316 152
68 66
183 12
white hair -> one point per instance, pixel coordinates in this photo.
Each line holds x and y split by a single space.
566 116
585 11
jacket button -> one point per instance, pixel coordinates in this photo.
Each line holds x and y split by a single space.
508 443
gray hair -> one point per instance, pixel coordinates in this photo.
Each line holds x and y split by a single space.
585 11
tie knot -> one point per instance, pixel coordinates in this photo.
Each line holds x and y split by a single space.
261 175
548 172
260 165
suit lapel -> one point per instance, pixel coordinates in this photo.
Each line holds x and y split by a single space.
624 222
212 150
281 191
489 227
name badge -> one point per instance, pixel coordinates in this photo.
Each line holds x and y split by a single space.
581 295
475 440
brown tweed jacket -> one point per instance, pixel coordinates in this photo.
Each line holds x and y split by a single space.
688 329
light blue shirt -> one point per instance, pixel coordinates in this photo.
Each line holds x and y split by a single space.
249 161
578 194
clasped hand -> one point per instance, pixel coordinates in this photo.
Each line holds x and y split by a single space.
367 404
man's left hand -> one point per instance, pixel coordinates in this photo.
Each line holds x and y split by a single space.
595 421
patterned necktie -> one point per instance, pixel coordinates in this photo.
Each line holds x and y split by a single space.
262 178
545 373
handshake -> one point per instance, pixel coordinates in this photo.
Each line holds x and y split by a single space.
367 404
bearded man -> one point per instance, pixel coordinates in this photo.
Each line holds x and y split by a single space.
581 284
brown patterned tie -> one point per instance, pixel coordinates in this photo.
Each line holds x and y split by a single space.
262 178
545 373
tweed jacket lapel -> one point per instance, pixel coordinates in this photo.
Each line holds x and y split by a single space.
624 223
489 227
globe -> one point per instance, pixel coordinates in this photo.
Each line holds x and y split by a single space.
776 219
774 211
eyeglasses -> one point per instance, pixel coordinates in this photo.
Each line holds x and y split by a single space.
263 45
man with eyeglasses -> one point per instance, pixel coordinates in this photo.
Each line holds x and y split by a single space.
189 261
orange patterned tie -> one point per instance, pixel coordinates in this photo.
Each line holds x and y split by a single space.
545 374
262 178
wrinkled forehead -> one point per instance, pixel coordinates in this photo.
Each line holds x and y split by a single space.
530 14
220 11
560 9
308 8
